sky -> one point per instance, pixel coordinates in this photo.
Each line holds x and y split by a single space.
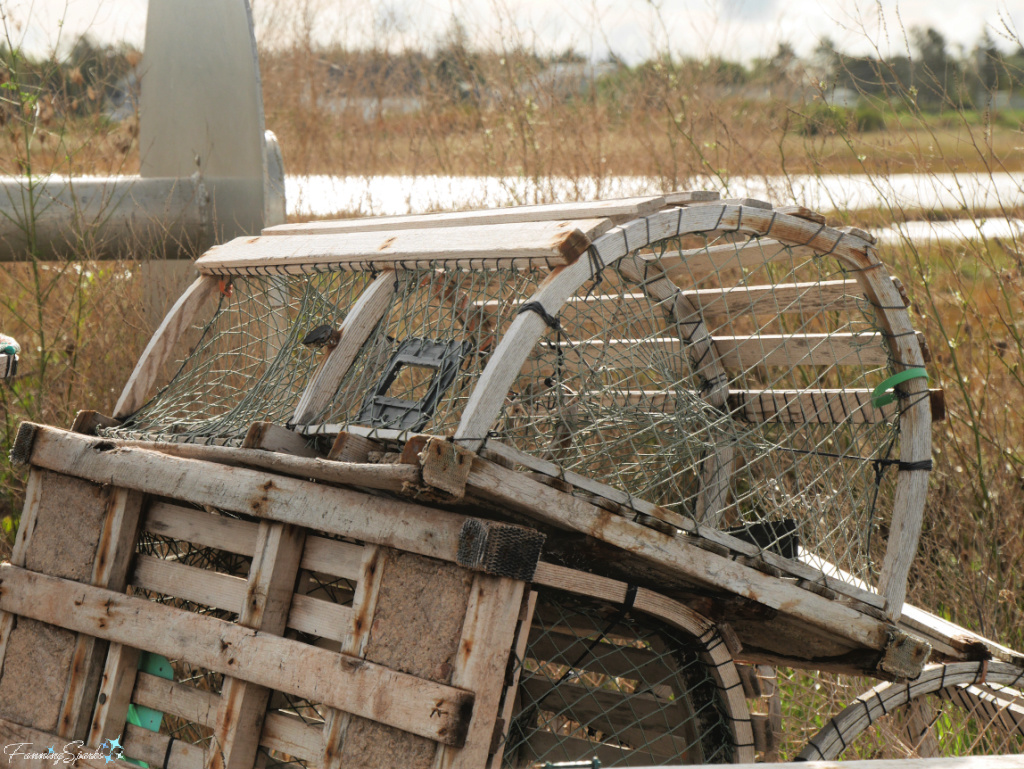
630 29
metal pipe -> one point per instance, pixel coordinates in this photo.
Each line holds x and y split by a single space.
105 217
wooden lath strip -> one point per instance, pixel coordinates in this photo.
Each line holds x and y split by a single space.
619 210
362 688
280 732
530 244
685 266
827 406
745 352
327 556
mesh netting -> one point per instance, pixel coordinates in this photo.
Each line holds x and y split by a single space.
768 432
627 691
899 721
249 364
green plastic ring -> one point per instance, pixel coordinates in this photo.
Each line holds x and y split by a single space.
880 398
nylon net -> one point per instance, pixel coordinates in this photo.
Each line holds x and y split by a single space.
628 691
901 721
768 432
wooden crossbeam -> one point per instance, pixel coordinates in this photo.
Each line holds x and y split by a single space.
518 245
622 209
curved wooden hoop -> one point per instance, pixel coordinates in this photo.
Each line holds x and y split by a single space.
842 730
855 253
713 649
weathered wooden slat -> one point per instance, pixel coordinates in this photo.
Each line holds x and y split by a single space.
480 664
684 267
161 345
401 525
171 698
384 477
616 210
202 586
364 606
745 352
526 244
29 748
327 556
431 710
114 698
320 618
510 696
265 608
280 732
518 492
160 750
360 321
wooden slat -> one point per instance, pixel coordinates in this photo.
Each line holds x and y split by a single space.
364 606
281 732
683 267
160 750
506 487
360 321
209 588
161 345
119 676
745 352
402 525
18 742
617 210
320 618
510 696
528 244
327 556
363 688
265 608
480 664
384 477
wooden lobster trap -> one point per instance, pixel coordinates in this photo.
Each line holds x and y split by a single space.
488 489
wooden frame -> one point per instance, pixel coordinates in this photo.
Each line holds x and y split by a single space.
856 254
960 680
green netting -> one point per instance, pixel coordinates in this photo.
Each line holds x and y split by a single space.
629 691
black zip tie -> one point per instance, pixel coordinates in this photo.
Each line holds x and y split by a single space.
624 609
537 307
771 223
721 215
739 221
815 235
167 753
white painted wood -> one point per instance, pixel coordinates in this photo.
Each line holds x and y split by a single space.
360 321
161 346
537 244
623 208
359 687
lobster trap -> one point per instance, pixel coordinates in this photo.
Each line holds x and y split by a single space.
638 480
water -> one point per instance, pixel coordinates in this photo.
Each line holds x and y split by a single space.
394 195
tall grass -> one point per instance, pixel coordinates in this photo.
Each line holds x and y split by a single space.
448 107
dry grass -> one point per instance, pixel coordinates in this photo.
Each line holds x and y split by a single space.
81 327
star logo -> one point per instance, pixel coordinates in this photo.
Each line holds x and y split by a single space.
51 751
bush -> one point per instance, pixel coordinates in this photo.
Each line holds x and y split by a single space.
868 118
822 119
